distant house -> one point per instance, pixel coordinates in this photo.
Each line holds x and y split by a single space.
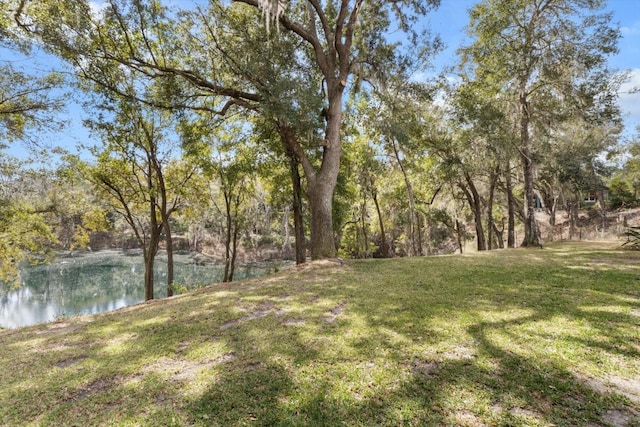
591 197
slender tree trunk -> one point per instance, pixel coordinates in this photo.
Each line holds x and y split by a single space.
286 246
474 201
419 228
552 211
552 216
384 248
298 220
148 276
603 208
154 234
573 218
413 247
511 207
499 234
365 237
234 244
164 215
227 239
490 223
459 235
531 237
150 253
169 243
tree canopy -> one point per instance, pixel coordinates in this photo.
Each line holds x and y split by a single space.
323 110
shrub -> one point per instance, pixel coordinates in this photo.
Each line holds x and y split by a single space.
621 194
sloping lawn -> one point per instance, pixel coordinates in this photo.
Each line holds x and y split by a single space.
521 337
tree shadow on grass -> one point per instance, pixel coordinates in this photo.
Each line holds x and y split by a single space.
243 359
481 382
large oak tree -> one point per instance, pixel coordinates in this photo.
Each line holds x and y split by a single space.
295 69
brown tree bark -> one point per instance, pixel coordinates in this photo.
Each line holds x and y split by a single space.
511 208
531 237
384 248
414 246
298 219
471 192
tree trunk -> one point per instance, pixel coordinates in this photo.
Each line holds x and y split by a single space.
320 184
573 218
150 253
148 276
459 234
384 248
413 246
227 238
298 220
552 216
474 202
169 243
154 235
511 207
603 208
365 237
531 237
499 234
234 244
286 246
164 215
490 223
320 205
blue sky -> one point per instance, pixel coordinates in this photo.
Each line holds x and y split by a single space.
448 21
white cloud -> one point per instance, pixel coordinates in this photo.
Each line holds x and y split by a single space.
632 30
97 9
629 100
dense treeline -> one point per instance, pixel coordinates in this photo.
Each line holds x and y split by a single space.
257 129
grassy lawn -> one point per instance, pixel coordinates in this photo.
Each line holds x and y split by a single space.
521 337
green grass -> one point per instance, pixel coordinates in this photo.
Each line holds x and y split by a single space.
509 338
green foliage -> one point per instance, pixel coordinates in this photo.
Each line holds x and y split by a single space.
179 288
27 227
621 194
28 105
25 235
631 169
633 238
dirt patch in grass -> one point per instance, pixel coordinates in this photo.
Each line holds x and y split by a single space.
70 361
100 385
336 311
321 264
182 369
460 353
293 321
424 368
629 388
258 313
61 328
466 418
621 418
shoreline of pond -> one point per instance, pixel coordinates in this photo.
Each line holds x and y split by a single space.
86 282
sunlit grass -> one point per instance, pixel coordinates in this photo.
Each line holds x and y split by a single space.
521 337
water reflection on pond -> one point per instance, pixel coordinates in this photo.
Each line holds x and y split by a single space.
98 282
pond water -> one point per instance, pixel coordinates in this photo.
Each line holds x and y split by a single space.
101 281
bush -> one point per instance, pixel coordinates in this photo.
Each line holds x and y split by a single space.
633 238
621 194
